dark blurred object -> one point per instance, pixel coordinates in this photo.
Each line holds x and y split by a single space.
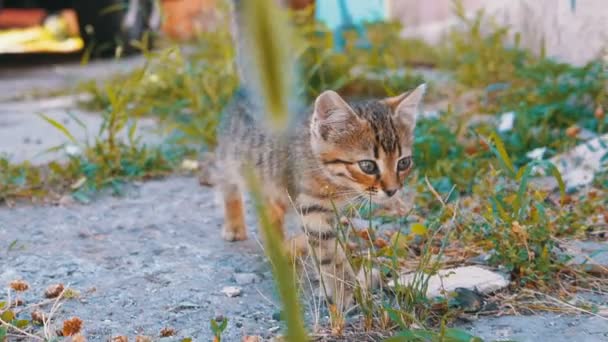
108 27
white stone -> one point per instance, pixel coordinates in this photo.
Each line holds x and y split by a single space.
232 291
537 153
579 165
469 277
506 121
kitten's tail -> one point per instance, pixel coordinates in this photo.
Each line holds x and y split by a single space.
207 170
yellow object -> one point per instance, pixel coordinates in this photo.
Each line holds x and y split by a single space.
36 39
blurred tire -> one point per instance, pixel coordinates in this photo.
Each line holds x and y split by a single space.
109 26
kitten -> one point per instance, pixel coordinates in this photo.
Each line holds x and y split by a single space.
340 153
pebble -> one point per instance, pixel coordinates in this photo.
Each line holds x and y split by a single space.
246 278
232 291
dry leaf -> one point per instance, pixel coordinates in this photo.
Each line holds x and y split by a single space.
72 326
78 338
250 338
380 243
140 338
166 332
120 339
573 131
364 234
53 291
599 112
19 285
38 317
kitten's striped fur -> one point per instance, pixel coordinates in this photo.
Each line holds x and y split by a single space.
316 166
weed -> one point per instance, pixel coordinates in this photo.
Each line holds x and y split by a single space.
218 329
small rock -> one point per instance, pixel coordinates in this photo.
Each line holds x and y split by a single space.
590 256
274 329
246 278
232 291
467 300
468 277
66 200
579 164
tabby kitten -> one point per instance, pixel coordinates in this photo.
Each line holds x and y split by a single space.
342 152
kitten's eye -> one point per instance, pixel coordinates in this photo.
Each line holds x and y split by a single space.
404 164
368 166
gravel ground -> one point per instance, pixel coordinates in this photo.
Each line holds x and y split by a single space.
154 258
151 259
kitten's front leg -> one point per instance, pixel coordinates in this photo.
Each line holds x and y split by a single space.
337 276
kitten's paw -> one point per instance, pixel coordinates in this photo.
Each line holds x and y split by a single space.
231 234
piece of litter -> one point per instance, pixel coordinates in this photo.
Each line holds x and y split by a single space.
579 165
232 291
506 122
468 277
189 164
72 150
537 153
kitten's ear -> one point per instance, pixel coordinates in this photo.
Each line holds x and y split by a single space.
406 105
330 106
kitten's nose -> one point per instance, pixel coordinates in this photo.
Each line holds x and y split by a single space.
390 192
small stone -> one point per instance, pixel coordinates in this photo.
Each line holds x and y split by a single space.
274 329
246 278
469 277
66 200
232 291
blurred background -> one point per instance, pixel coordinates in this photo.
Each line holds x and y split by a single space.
68 26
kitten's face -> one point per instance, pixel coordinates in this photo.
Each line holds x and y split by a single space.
366 147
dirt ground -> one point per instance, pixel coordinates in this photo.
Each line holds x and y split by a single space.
154 258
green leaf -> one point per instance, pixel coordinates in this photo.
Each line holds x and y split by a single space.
7 316
214 327
59 126
501 153
418 229
2 304
224 324
21 323
459 335
3 332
